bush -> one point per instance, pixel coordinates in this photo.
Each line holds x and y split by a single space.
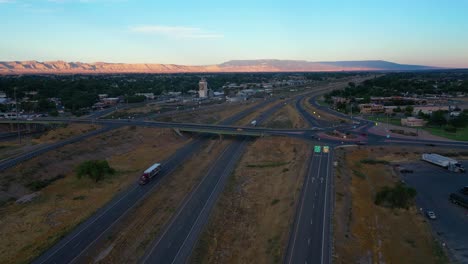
399 196
94 169
41 184
373 161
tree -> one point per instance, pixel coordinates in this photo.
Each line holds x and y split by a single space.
459 121
94 169
409 110
438 118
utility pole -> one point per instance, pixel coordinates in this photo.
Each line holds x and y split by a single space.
16 106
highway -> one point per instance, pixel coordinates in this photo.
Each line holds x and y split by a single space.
12 161
310 235
310 238
180 235
73 247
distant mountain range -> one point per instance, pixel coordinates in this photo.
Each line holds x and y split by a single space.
61 67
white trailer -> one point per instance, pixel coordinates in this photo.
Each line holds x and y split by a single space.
445 162
150 173
253 123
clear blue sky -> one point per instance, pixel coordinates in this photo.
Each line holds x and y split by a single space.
431 32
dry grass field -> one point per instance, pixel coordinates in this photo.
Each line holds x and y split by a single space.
251 220
367 233
35 226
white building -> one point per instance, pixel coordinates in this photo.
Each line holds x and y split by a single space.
203 88
149 96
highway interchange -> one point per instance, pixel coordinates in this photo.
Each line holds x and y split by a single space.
309 241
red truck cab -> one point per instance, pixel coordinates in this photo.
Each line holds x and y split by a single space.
149 173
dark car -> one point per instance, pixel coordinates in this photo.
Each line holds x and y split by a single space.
361 143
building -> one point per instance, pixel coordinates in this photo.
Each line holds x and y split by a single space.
203 88
429 109
413 122
371 108
149 96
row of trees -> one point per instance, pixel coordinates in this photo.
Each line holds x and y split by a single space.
80 91
437 82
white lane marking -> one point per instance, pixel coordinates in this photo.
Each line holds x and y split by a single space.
308 241
300 209
325 208
310 221
183 205
237 155
109 208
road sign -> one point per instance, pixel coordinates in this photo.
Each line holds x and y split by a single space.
317 149
326 149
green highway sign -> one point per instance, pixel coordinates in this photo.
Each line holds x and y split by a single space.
317 149
326 149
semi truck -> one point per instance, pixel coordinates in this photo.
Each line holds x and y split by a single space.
445 162
149 173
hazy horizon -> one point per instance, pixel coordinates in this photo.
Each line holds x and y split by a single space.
209 32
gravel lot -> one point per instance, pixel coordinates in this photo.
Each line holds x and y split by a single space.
434 185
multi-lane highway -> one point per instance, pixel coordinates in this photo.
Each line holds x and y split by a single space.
310 237
74 246
180 235
310 234
12 161
177 240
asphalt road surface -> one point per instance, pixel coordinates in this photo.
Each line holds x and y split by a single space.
181 234
73 247
434 185
10 162
310 238
86 234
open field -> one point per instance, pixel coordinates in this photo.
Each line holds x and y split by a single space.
64 203
319 114
367 233
14 147
211 115
461 134
254 214
128 241
287 117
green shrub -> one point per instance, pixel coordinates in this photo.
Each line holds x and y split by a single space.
398 196
94 169
41 184
373 161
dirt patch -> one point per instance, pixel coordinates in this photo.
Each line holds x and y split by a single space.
287 117
67 131
33 227
365 232
251 220
127 241
14 147
211 115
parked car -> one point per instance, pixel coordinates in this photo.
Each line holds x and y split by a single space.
431 215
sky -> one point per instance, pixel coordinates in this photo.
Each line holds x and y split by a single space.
427 32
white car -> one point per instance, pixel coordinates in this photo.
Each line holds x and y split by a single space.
431 215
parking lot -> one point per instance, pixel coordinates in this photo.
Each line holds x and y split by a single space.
434 185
